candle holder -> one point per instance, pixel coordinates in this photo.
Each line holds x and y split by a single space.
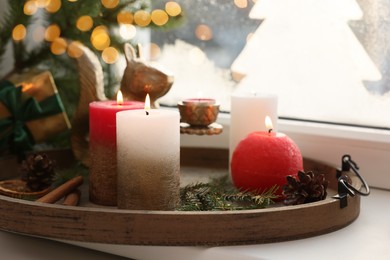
198 116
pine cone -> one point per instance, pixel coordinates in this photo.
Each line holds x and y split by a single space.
38 171
309 188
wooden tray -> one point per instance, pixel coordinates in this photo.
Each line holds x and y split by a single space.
92 223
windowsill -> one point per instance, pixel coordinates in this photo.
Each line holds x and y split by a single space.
369 148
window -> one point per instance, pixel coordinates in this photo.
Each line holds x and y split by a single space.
326 60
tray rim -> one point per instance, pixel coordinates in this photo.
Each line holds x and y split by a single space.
164 212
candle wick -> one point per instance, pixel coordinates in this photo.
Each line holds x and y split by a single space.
147 113
270 130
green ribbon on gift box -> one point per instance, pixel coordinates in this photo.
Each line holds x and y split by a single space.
13 130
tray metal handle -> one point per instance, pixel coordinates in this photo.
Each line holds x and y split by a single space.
344 187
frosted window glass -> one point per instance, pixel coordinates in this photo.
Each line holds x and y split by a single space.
327 60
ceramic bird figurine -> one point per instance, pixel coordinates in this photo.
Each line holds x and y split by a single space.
141 78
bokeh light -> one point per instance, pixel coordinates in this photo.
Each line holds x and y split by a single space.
100 38
159 17
203 32
172 8
109 4
110 55
42 3
241 3
19 32
52 32
99 29
53 6
84 23
30 7
74 49
58 46
127 31
142 18
125 17
72 0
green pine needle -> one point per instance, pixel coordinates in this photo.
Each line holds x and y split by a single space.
219 194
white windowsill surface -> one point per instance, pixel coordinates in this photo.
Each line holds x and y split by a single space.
368 237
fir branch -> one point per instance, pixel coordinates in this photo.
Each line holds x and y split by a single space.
253 201
13 17
66 18
29 59
219 194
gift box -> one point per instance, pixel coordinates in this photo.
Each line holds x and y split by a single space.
31 111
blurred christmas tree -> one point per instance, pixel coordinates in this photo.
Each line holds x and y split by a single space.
44 34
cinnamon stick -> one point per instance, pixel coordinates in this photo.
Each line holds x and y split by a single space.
62 190
72 199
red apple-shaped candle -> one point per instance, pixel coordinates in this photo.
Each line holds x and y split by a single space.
263 160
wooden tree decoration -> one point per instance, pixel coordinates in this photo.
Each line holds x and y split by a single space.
91 89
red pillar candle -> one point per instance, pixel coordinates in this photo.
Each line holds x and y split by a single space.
264 159
102 149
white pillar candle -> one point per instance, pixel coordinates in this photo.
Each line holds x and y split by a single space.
148 147
247 115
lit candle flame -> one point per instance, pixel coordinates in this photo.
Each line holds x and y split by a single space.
268 124
147 104
119 98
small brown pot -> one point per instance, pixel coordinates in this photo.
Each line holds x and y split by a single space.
18 189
